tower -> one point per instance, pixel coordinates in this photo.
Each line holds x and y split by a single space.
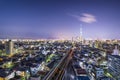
9 46
81 38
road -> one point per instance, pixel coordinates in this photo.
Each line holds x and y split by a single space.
69 72
65 65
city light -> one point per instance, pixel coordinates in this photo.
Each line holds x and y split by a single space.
59 40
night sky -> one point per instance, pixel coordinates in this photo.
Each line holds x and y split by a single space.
51 19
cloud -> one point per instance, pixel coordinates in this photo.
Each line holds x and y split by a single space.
86 18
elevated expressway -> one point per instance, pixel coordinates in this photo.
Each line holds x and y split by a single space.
58 72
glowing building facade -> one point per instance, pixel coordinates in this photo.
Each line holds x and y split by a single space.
9 46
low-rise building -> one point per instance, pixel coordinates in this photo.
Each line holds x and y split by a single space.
35 68
97 72
36 77
6 74
104 78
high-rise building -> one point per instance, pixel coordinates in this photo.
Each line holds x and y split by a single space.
9 46
114 66
116 51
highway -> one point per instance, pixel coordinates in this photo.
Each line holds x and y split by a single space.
69 72
59 71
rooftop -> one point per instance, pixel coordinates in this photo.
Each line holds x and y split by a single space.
5 72
83 78
81 71
116 56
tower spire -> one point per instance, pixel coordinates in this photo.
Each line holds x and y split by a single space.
81 32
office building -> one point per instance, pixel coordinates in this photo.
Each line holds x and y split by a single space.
9 47
114 66
116 51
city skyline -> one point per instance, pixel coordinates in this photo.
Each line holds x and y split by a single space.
59 19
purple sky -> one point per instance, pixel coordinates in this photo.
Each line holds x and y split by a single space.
59 18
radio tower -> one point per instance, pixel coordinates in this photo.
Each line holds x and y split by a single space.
81 39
